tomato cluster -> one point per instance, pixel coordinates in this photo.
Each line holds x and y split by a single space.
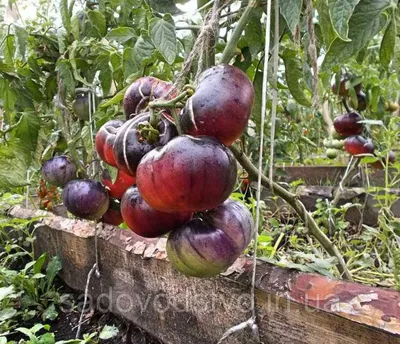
177 184
349 127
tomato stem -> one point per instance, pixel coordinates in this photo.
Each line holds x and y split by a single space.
346 106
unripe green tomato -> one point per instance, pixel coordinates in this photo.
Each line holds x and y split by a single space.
332 153
338 144
81 106
328 143
336 135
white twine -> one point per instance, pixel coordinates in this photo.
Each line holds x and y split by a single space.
252 321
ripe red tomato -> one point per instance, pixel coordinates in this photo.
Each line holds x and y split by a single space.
130 146
347 124
145 220
208 245
187 174
221 105
356 145
105 139
144 90
121 184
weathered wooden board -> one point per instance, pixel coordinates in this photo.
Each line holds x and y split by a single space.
139 283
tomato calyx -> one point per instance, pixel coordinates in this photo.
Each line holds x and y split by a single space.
148 133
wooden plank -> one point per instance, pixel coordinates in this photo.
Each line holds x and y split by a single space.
139 284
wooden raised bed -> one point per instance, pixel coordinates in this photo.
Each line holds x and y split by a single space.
139 284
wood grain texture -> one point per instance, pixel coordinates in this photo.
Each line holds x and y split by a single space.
138 283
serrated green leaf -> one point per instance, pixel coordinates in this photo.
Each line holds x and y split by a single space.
120 34
105 76
367 20
291 10
27 131
21 37
388 44
164 6
325 22
396 60
134 58
64 67
65 17
164 37
50 313
254 34
108 332
341 11
295 77
97 20
9 49
116 99
7 95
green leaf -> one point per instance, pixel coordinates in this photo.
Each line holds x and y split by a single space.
135 58
27 131
47 338
116 99
164 6
341 11
53 268
64 67
388 44
367 20
5 292
7 95
325 22
295 77
7 314
120 34
21 37
12 180
396 60
164 37
254 34
108 332
291 10
9 49
98 20
50 313
66 19
38 265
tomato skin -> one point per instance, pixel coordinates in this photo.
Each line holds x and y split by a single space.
129 147
187 174
221 105
208 245
112 217
144 220
105 139
343 92
347 124
356 145
142 91
59 170
121 184
86 199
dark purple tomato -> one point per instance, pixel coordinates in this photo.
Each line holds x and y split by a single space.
208 245
347 124
113 215
221 105
356 145
361 102
59 170
130 146
105 139
145 220
343 91
144 90
86 199
120 185
187 174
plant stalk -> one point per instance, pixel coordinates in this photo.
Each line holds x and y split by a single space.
230 49
298 206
